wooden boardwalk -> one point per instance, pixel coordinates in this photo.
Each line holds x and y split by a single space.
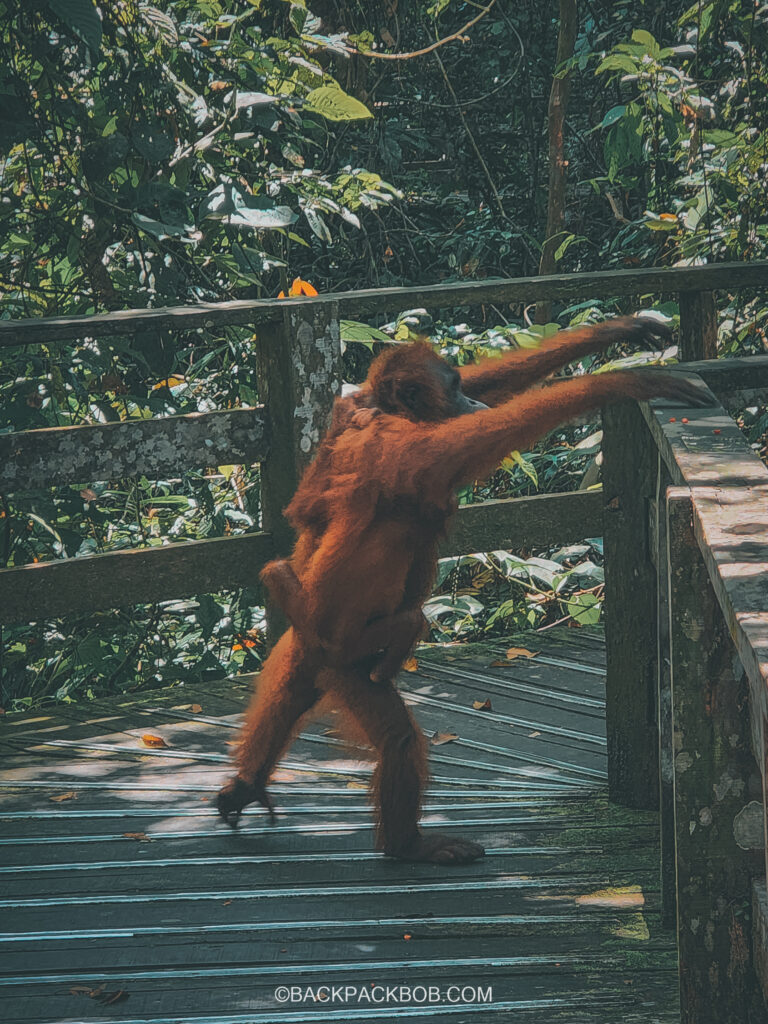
122 899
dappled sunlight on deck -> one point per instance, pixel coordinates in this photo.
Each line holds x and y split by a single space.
115 872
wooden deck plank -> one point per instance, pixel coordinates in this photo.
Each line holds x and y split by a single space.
561 919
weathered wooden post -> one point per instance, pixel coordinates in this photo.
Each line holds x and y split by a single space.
713 764
698 326
629 482
667 870
300 376
759 888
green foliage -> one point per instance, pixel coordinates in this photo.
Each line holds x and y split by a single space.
157 162
186 150
336 105
473 592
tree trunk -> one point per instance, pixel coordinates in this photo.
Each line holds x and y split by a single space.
558 104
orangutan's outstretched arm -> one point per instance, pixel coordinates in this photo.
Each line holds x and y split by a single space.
457 452
494 381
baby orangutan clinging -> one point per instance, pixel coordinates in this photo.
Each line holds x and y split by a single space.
369 513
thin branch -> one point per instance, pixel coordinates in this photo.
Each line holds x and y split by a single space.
427 49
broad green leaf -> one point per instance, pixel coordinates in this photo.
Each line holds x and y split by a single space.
317 224
159 230
585 609
566 244
353 331
81 17
516 459
613 115
251 100
647 40
333 103
617 62
229 204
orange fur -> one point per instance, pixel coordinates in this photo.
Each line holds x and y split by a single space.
369 513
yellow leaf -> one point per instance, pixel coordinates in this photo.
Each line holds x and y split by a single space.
299 287
411 665
149 740
170 382
71 795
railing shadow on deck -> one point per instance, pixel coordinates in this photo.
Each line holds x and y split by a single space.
684 514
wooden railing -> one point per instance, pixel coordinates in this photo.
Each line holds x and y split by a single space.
686 555
300 369
683 512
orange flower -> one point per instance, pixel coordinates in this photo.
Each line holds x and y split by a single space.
298 287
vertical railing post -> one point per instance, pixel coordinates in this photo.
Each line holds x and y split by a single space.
698 326
759 889
664 705
300 376
629 482
712 773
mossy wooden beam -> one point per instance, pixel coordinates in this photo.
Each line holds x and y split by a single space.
35 459
118 579
704 450
526 523
300 375
600 284
714 776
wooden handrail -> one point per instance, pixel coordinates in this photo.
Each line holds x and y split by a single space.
598 284
686 552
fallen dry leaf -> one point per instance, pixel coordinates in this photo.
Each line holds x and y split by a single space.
411 665
140 837
520 652
71 795
482 705
194 708
533 734
498 664
149 740
443 737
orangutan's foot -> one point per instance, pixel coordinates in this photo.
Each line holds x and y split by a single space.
237 794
